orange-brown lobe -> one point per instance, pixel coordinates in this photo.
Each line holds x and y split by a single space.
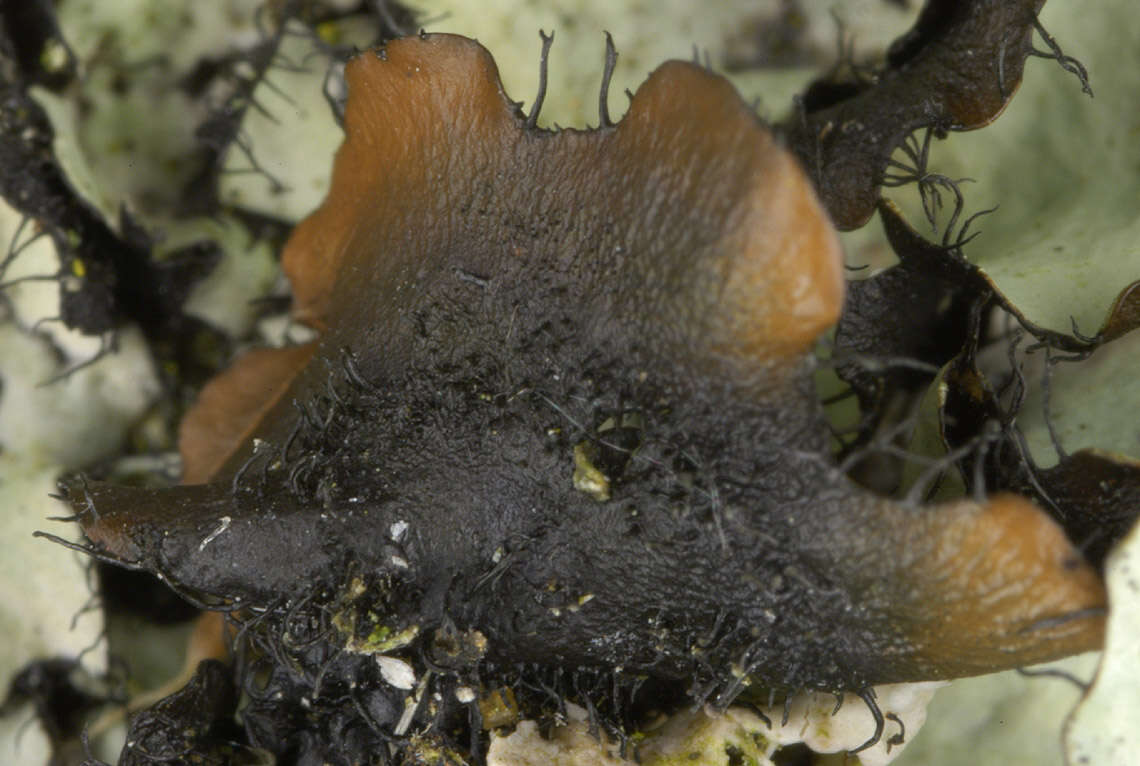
792 265
685 224
720 241
772 281
232 405
988 587
419 112
1124 316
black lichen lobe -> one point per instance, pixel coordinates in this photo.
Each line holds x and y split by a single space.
957 69
513 320
205 710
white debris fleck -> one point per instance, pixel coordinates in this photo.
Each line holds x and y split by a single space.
223 525
464 694
396 672
398 530
400 561
811 721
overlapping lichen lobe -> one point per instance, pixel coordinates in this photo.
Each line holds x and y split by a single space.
425 115
692 228
231 405
686 215
369 242
1124 316
765 280
972 53
980 588
956 69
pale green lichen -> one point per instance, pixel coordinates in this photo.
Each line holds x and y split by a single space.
1102 729
1002 719
646 34
247 267
1086 402
293 136
385 639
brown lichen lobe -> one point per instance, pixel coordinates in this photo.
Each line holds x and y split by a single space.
683 242
727 248
232 404
767 289
996 585
718 235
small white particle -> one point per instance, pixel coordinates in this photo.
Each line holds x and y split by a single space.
396 672
465 694
222 527
400 562
398 530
